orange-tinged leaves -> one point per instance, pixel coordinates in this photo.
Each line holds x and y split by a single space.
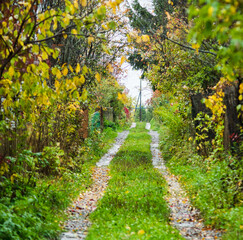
65 71
168 15
98 77
170 2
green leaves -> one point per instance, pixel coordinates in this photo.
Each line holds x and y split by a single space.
221 21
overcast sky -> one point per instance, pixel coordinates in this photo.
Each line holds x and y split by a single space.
132 81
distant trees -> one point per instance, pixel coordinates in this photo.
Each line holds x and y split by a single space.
198 53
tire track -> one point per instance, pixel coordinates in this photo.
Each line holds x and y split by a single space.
78 223
183 215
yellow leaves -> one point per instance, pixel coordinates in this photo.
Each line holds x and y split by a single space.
82 79
141 232
139 39
170 2
70 85
77 68
4 168
84 94
168 15
74 31
4 24
210 11
35 49
83 3
105 27
241 88
71 68
240 97
54 23
196 46
98 77
79 80
233 10
12 177
122 97
66 18
64 35
129 38
123 59
119 97
75 4
90 40
44 55
65 71
6 82
216 105
85 69
145 38
57 86
56 72
11 71
110 68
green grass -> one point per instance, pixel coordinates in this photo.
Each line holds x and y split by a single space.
133 206
35 211
213 186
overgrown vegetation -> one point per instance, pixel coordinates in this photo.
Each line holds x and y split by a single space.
133 206
194 63
56 59
214 184
41 185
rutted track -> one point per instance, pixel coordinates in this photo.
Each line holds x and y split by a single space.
78 223
183 216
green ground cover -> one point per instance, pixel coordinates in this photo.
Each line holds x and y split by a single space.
133 206
32 204
213 184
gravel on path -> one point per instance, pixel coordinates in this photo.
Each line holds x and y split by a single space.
78 223
106 159
183 215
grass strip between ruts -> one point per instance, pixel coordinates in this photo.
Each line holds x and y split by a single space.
133 206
